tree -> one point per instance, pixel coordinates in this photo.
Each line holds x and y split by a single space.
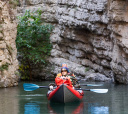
33 43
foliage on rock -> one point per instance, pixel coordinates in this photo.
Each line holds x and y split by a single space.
33 43
4 67
14 3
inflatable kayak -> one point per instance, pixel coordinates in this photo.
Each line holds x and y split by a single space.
64 92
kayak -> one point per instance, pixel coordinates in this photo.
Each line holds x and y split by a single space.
64 92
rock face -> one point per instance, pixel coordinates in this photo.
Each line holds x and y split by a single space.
8 52
88 34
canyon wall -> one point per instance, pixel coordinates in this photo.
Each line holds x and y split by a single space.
8 53
91 36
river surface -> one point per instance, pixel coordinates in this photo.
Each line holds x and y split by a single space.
15 100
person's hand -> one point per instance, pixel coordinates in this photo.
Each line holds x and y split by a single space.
51 87
63 78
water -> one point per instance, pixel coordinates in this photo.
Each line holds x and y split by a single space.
17 101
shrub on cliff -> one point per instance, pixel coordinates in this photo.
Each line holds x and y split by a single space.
33 43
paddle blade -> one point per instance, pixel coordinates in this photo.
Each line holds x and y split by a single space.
95 90
91 84
30 87
99 90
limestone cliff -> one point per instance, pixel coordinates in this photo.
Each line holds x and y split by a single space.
88 34
8 52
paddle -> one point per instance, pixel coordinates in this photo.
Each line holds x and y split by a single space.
95 90
91 84
31 87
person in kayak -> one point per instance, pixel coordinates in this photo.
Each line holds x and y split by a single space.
63 65
66 74
63 75
51 85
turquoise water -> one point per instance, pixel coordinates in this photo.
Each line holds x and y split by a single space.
17 101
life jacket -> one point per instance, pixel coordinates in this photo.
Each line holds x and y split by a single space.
69 75
65 80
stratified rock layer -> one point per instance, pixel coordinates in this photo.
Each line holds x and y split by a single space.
88 34
8 52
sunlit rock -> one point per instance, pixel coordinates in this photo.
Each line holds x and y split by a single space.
8 51
88 34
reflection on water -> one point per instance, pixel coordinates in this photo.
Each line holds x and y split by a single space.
31 108
54 108
94 109
69 108
8 101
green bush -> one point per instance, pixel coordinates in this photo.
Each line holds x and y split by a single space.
33 43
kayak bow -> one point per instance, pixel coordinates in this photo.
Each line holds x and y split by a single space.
64 94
